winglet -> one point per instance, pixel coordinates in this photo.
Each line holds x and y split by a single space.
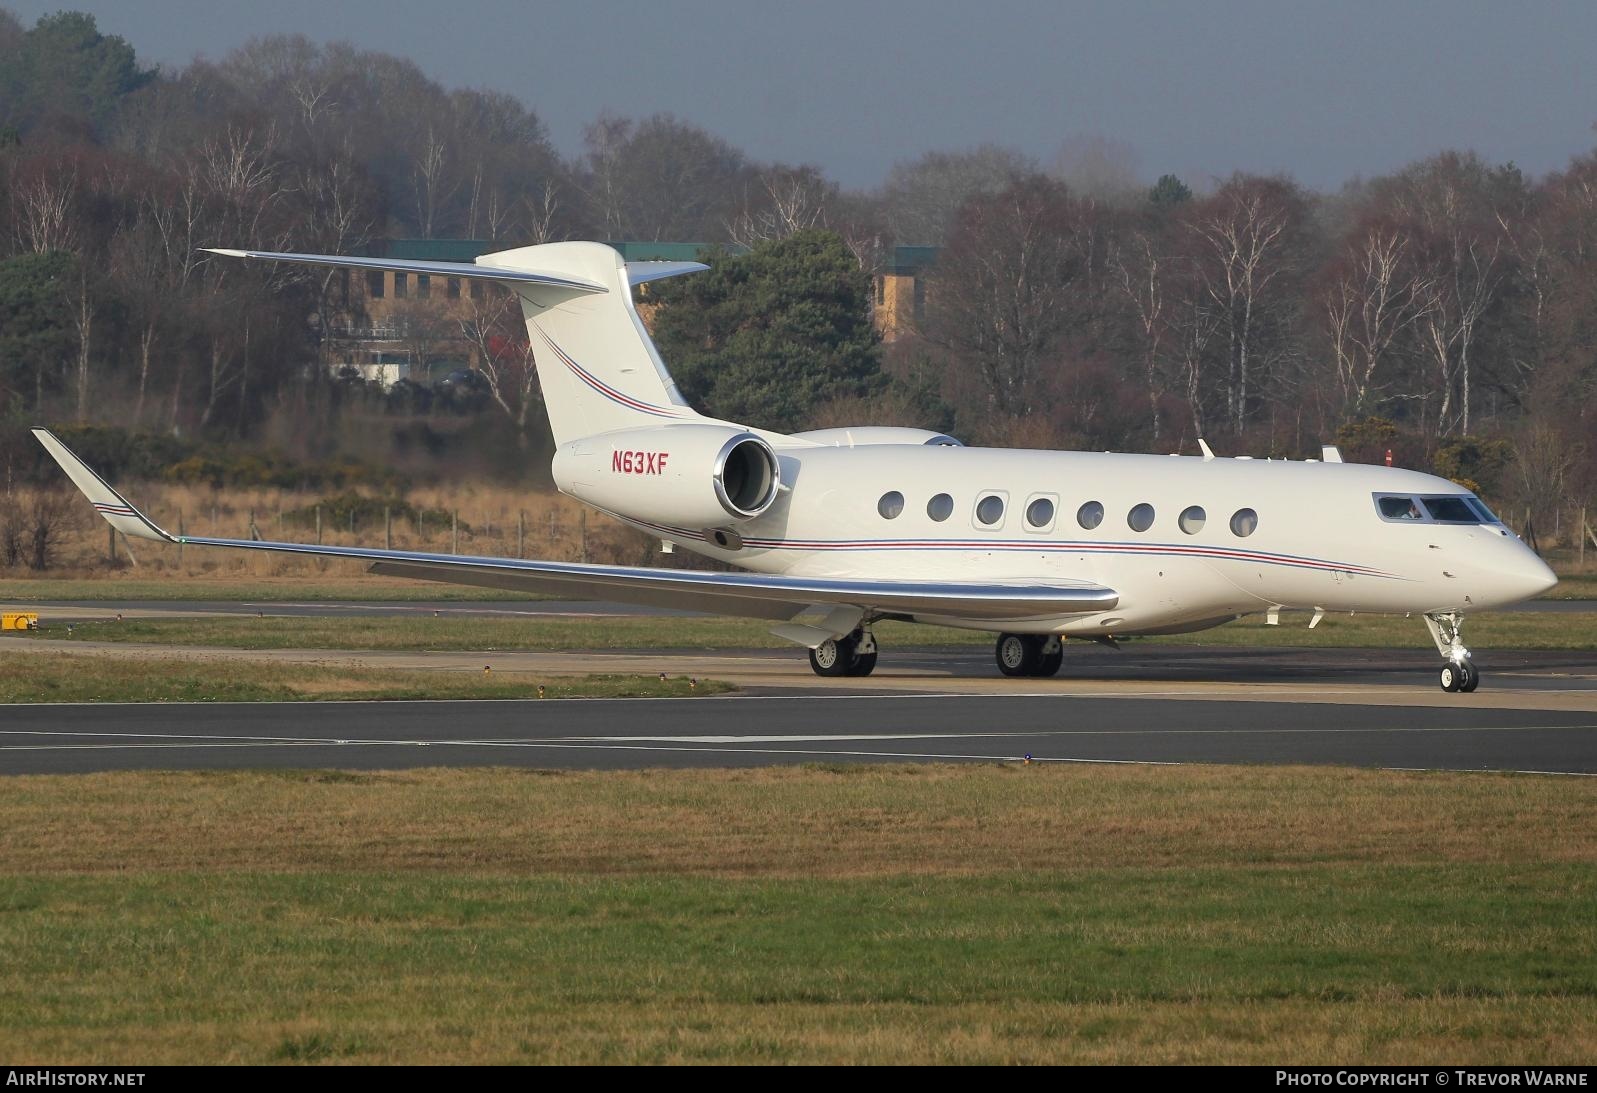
107 502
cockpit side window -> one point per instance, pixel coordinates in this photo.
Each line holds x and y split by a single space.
1399 508
1480 506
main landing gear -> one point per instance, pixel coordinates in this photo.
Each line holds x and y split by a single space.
1029 654
1459 673
851 655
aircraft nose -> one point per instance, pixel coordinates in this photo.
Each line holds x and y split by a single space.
1528 575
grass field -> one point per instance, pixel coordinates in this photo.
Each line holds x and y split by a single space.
856 914
1503 631
65 678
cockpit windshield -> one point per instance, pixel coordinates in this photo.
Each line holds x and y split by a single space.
1452 508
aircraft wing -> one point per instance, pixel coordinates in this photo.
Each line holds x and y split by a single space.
751 595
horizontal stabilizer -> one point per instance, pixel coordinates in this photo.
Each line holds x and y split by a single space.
639 273
469 271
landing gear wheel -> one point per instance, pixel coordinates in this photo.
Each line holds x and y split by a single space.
1048 663
1018 654
1459 674
833 657
864 664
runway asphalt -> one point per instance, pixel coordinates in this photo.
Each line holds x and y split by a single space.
775 729
1536 711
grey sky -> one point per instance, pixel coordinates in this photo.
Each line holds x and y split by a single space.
1324 91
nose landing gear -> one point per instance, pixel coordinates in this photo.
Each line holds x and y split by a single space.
1459 674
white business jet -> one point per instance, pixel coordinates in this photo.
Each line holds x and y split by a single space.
840 528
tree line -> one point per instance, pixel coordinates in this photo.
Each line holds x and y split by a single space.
1445 310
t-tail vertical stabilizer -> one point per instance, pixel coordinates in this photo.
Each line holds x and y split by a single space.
597 366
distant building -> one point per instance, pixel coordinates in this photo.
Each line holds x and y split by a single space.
899 296
405 326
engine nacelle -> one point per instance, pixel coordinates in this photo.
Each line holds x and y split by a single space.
878 434
694 476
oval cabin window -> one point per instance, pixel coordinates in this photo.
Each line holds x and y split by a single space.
1141 517
1192 520
1090 515
990 509
1244 523
1040 513
940 507
890 505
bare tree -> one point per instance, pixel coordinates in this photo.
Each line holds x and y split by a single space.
504 356
923 196
1376 296
43 212
1099 167
1001 286
789 199
433 186
1450 200
1140 273
1241 230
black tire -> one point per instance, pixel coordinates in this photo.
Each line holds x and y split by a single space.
1017 654
833 658
1048 663
1472 677
1451 678
864 664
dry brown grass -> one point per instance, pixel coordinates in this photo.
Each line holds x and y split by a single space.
491 519
787 822
1399 1032
49 677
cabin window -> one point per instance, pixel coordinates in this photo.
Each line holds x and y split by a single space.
1040 513
990 510
1451 510
891 505
1244 522
940 507
1090 515
1399 508
1141 517
1192 520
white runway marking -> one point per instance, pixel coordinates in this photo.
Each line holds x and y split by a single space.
136 739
